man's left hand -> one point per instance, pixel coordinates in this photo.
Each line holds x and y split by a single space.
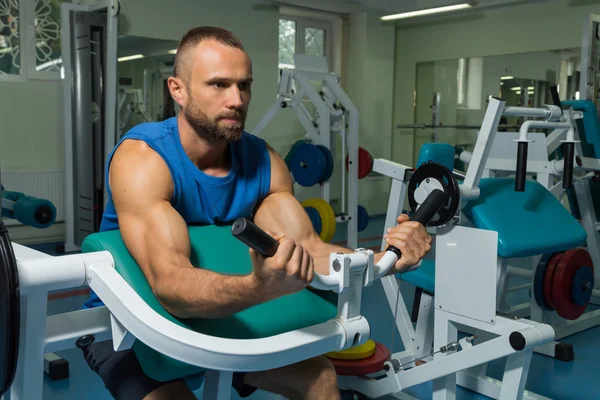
412 239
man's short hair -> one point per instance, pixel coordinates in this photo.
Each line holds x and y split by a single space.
192 38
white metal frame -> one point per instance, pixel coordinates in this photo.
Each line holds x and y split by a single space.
111 85
437 325
294 86
548 172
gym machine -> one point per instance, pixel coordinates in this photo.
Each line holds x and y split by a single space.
131 102
134 318
28 210
89 52
479 205
311 160
155 84
567 317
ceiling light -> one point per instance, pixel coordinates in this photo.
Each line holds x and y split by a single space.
174 51
505 78
427 11
133 57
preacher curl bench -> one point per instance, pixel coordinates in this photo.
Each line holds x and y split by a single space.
322 319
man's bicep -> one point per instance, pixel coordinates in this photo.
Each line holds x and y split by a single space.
157 238
153 231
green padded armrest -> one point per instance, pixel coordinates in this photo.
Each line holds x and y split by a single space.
215 249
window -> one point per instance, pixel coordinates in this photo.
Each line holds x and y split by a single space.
30 39
305 36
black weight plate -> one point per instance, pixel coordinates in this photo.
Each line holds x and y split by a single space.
432 170
10 312
538 281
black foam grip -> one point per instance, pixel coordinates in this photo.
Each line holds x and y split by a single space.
425 212
250 234
569 153
521 166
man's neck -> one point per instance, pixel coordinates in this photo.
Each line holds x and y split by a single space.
209 156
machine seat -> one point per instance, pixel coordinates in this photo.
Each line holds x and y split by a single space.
423 277
215 249
528 223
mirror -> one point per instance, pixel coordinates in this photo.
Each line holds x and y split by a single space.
143 68
451 95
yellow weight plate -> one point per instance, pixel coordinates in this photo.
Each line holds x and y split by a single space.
364 350
327 217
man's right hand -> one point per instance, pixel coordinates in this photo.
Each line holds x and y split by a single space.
290 270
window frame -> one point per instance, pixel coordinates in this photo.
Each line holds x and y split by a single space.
301 24
27 48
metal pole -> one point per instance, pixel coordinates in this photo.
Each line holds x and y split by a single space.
427 126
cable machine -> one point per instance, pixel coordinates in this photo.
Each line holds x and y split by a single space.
89 46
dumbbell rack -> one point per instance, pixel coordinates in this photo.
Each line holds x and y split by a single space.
335 113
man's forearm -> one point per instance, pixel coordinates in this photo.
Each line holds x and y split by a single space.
199 293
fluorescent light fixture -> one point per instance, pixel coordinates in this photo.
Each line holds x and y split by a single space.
133 57
174 51
427 11
505 78
518 88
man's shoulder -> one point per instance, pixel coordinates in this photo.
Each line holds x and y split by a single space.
153 129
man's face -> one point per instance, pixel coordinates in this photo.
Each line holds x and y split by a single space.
219 91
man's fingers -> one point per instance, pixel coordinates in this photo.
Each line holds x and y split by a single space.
402 218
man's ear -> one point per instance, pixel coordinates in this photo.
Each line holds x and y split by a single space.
178 90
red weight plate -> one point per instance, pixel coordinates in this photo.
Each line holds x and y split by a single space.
365 366
365 162
563 282
549 279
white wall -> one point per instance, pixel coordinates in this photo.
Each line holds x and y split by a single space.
550 25
369 83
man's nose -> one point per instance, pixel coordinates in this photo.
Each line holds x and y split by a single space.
235 97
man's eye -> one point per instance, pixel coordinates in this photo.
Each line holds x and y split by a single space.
244 86
220 85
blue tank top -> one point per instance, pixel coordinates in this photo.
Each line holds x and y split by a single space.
201 199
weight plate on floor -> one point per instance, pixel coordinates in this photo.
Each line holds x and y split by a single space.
359 352
10 312
365 366
566 268
432 170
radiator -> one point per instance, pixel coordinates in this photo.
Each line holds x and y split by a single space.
46 184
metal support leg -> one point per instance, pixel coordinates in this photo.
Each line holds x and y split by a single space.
425 324
217 385
515 376
29 379
445 332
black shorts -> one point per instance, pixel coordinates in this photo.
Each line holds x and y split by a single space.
124 378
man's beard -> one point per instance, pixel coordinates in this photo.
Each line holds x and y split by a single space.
209 129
